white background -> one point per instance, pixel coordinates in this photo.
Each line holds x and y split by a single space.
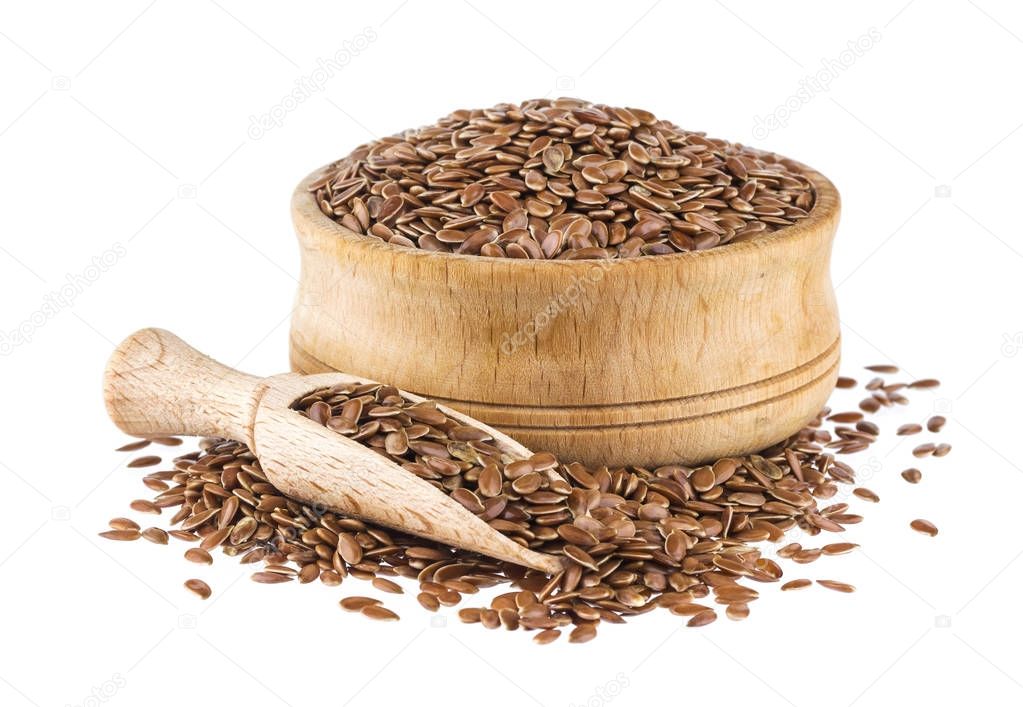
125 129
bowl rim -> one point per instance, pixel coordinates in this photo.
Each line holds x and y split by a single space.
826 209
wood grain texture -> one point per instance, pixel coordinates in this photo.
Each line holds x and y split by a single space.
645 361
156 384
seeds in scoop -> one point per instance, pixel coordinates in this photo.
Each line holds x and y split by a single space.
924 526
836 586
580 556
198 555
199 588
349 549
796 584
650 537
379 613
866 494
358 603
140 462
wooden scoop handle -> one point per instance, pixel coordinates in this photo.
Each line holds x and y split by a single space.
157 384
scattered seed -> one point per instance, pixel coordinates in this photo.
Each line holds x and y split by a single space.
199 588
836 586
796 584
143 506
708 616
636 539
155 535
924 526
139 462
846 417
428 601
120 534
883 368
270 577
789 550
870 405
547 636
838 548
737 612
909 429
924 450
866 494
386 585
804 557
133 446
379 613
913 476
583 633
198 555
358 603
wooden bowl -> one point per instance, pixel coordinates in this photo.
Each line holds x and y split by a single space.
646 361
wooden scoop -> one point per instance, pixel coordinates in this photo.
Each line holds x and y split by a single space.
156 384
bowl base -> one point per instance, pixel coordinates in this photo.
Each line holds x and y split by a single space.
687 430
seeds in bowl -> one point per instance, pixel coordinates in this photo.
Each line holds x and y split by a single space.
561 179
